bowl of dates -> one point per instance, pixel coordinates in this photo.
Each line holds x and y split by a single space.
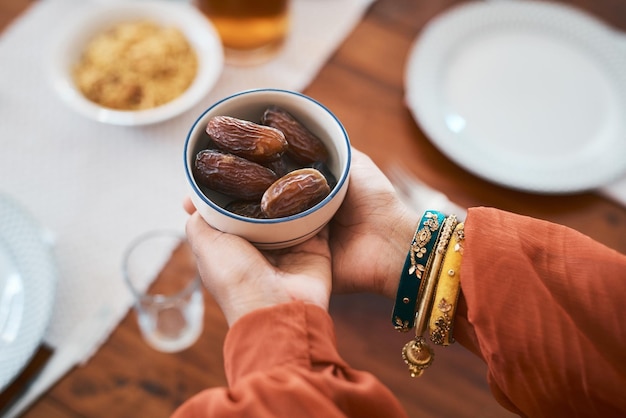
269 165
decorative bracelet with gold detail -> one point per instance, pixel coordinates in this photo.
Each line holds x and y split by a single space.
417 264
417 354
441 322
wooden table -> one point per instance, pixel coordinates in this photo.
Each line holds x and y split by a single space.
363 84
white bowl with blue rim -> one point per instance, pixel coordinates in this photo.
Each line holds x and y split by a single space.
279 232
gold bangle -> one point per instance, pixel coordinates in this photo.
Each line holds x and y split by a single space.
427 293
441 321
416 353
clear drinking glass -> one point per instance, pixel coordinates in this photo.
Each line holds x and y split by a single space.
160 271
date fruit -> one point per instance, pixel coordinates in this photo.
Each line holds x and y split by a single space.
247 139
330 177
295 192
304 147
247 208
232 175
282 166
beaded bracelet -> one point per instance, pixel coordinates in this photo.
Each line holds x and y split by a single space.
416 264
441 322
417 354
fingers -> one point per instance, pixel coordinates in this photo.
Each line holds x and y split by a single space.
228 266
311 257
188 205
242 279
219 255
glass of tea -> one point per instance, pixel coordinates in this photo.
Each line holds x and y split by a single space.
252 31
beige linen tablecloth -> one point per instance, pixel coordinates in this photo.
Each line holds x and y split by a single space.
95 186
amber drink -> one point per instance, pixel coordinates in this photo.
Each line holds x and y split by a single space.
252 31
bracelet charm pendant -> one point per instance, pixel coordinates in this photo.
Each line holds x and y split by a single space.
418 355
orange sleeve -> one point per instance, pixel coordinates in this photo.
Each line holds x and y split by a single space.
282 361
545 309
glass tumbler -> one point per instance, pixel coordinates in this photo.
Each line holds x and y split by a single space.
160 271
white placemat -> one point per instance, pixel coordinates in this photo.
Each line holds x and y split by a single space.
97 186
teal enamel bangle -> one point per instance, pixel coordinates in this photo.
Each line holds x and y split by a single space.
415 266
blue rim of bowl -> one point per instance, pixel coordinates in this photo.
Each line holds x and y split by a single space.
333 192
287 242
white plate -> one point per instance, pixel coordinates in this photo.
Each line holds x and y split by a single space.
28 278
525 94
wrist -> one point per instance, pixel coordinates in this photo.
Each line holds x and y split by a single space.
399 242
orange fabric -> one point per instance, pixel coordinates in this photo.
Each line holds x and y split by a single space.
546 305
540 303
282 362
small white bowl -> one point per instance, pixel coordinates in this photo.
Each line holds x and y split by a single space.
94 18
281 232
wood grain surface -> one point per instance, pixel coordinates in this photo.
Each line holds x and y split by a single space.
362 84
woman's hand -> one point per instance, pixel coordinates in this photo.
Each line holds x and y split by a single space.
371 233
242 279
